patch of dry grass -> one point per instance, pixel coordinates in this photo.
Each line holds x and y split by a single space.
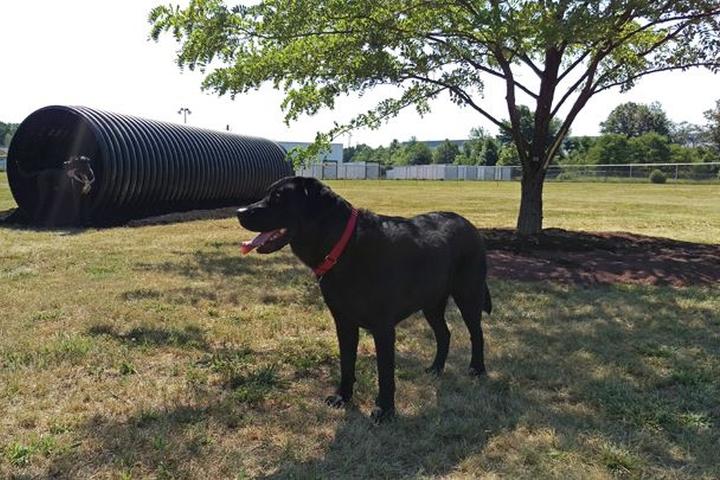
160 352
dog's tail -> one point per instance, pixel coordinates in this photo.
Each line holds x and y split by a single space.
488 301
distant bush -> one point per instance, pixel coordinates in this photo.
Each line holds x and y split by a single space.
609 149
565 176
650 147
657 176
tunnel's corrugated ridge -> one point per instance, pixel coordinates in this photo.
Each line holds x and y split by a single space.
141 166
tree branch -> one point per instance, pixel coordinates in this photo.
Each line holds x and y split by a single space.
482 67
548 83
520 141
572 66
660 21
463 95
343 129
528 61
655 70
585 94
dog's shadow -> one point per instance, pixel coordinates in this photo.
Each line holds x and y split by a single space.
465 415
434 441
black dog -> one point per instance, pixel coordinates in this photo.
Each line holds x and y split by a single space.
385 269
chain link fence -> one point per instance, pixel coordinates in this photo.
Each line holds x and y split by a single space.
632 172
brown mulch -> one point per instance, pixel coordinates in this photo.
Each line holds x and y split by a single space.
587 259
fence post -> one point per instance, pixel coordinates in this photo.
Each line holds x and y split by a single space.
676 172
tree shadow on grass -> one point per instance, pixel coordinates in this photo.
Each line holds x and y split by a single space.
218 262
188 337
176 296
601 258
279 278
624 379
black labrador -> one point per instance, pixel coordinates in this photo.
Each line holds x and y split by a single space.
389 268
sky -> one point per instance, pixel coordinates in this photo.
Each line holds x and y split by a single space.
97 53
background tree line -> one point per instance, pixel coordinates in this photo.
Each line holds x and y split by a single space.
632 133
7 130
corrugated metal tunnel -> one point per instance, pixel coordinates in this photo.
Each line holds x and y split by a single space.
81 166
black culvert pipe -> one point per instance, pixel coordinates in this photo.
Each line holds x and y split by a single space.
81 166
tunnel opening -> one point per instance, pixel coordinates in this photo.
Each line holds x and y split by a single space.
46 176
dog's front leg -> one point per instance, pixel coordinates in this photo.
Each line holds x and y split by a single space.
385 351
348 339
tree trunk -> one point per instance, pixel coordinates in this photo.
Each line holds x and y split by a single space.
531 207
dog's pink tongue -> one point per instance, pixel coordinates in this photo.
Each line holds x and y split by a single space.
249 246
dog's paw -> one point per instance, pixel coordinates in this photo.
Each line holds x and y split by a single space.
477 371
336 401
434 370
381 415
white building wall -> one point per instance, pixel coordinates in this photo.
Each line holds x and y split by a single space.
335 154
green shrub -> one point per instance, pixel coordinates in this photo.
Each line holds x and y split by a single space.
656 176
565 176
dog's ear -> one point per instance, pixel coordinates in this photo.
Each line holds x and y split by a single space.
318 196
312 187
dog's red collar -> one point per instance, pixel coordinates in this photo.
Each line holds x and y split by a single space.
334 255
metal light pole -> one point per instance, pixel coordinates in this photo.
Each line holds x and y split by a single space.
184 111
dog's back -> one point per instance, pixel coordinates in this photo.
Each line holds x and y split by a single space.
402 265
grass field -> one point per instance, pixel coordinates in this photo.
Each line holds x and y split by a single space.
160 352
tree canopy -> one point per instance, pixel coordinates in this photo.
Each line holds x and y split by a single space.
713 118
635 119
687 134
317 52
445 152
526 119
7 130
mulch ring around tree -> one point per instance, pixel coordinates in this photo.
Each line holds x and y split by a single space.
588 258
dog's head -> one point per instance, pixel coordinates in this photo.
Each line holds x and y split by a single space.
290 205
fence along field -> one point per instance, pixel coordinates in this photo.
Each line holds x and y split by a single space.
631 172
640 172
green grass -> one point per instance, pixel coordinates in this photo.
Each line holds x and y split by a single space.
160 352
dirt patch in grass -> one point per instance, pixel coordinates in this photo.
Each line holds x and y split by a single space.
597 258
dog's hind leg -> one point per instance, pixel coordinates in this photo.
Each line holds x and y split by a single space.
436 318
470 299
384 338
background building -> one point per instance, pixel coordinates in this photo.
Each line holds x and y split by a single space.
335 154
